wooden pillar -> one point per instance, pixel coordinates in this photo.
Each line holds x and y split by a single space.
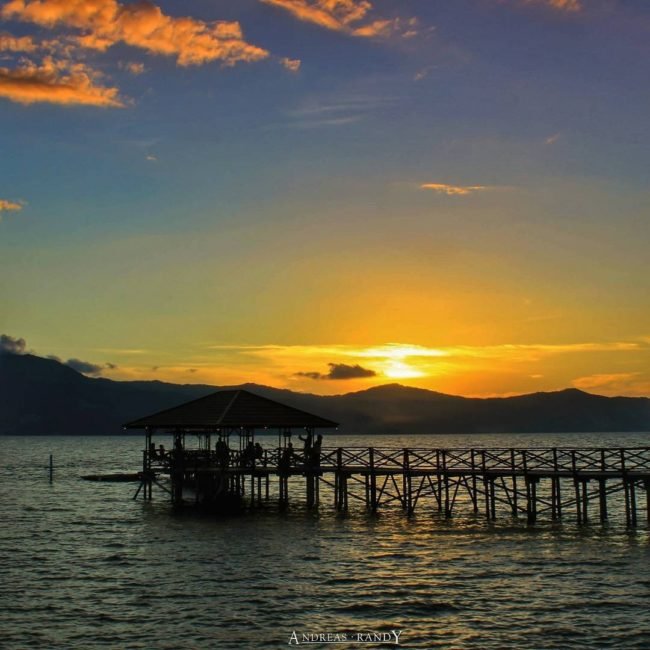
445 479
585 500
602 497
628 514
405 475
633 520
474 494
531 494
646 484
373 482
576 483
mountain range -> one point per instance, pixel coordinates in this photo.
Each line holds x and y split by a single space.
42 396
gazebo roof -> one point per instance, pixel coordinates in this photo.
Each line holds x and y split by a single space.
231 409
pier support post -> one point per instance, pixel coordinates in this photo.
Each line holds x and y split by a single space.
531 498
602 496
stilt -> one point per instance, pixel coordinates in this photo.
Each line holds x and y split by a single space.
602 495
576 483
531 493
633 520
626 489
585 500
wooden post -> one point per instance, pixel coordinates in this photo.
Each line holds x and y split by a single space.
373 482
576 483
446 482
647 499
51 468
585 500
474 492
531 493
406 489
633 502
602 494
513 466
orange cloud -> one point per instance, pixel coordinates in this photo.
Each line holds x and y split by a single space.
103 23
57 83
345 16
10 206
9 43
453 190
293 65
569 6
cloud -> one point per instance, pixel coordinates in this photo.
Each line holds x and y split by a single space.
56 82
12 345
340 371
560 5
132 67
552 139
293 65
628 383
453 190
84 367
104 23
9 206
346 16
9 43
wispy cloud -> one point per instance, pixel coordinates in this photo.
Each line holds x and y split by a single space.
552 139
340 371
56 82
453 190
621 383
567 6
10 205
353 17
54 70
103 23
293 65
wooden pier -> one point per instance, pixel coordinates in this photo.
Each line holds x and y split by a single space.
594 484
551 483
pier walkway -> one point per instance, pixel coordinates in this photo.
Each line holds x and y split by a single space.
585 484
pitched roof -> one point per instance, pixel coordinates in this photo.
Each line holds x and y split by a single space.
231 409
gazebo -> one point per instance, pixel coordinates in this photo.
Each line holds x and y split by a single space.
221 414
228 412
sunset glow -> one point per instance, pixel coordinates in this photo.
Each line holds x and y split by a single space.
330 196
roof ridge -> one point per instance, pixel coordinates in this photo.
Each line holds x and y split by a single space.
225 411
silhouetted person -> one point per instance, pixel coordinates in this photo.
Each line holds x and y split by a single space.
286 459
161 452
152 450
248 455
259 452
223 453
315 453
307 441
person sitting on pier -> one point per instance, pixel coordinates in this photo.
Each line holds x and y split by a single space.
259 452
287 458
248 455
161 452
223 453
152 450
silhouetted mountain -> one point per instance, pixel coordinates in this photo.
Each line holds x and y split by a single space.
43 396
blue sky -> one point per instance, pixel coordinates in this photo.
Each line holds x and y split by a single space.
327 177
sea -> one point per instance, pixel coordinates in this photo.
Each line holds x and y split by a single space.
83 565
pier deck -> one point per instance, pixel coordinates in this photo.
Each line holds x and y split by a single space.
534 482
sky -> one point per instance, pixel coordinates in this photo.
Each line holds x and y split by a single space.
329 195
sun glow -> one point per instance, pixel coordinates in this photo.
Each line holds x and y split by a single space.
400 370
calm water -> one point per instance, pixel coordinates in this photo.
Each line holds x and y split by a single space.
84 566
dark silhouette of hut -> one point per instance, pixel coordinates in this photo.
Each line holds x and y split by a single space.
222 414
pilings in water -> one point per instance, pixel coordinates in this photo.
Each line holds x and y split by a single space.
536 483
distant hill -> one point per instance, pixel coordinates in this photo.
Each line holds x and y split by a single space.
42 396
